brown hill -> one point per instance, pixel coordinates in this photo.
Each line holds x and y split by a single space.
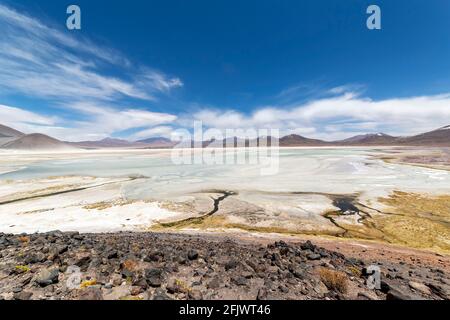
436 138
379 139
295 140
36 141
8 134
158 142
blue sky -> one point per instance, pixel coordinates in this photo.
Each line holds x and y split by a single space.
139 69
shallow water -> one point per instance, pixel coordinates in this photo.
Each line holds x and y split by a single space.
334 171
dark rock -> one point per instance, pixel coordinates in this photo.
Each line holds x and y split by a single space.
17 290
195 295
367 296
35 258
275 257
182 260
214 283
91 294
112 254
136 290
439 291
285 251
160 295
82 260
262 294
153 256
240 281
23 295
232 264
153 277
192 255
385 287
140 282
308 246
283 289
281 244
47 277
62 249
26 280
420 287
77 236
313 256
395 294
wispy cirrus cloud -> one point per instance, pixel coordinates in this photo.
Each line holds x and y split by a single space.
13 115
43 61
38 60
161 131
101 121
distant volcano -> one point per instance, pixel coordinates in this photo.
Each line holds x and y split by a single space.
36 141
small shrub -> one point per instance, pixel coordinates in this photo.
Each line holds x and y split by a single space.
334 280
24 240
130 265
131 298
23 269
355 271
183 285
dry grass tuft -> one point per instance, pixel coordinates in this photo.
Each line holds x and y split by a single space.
24 240
23 269
130 265
334 280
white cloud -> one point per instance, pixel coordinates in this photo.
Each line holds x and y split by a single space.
341 116
161 82
38 60
102 122
329 119
162 131
20 119
58 66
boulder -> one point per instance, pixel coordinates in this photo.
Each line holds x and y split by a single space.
47 277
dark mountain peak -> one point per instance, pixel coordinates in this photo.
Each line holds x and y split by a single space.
370 138
294 136
154 140
298 140
114 140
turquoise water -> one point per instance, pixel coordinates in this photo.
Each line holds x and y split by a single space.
299 170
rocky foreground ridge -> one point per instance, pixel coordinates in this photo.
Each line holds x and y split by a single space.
146 266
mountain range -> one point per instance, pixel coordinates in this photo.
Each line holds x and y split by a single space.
14 139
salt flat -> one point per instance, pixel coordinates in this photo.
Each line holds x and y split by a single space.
134 190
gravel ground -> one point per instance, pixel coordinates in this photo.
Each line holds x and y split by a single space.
149 266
